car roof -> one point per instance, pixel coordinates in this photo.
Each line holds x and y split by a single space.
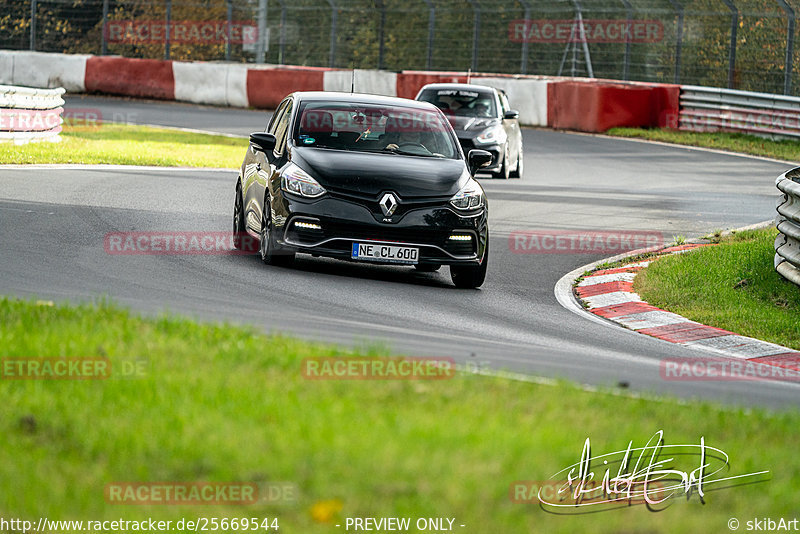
360 98
459 87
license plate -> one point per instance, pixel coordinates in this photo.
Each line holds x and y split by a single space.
387 253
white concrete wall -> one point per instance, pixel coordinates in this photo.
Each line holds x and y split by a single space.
211 83
226 84
374 82
40 69
527 96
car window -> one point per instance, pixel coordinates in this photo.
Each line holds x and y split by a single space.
363 127
281 127
504 102
276 117
478 103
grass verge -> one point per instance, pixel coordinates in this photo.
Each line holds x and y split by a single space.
123 144
787 150
732 286
226 403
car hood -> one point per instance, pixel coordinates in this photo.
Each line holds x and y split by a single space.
471 125
369 174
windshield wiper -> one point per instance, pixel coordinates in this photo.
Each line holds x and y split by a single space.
398 151
377 150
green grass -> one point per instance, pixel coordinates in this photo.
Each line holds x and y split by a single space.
122 144
225 403
787 150
140 145
732 285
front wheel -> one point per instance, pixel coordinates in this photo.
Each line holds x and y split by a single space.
517 173
270 254
238 220
471 276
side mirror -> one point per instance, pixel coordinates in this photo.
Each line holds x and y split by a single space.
477 159
511 114
263 142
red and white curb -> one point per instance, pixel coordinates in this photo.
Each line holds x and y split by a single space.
608 293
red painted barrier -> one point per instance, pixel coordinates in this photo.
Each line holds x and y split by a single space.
150 78
267 87
598 106
589 105
666 105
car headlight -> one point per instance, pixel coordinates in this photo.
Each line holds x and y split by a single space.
493 135
296 180
469 198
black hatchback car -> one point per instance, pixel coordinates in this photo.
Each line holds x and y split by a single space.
482 118
367 179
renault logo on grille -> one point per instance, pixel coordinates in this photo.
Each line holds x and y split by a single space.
388 204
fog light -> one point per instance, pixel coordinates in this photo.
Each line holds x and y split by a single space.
460 237
307 225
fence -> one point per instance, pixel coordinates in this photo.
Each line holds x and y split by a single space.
787 243
30 114
742 44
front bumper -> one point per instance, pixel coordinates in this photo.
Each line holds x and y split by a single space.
343 222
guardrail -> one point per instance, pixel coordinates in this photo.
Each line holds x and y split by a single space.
708 109
787 243
28 114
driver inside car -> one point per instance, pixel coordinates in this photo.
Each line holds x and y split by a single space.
482 109
395 139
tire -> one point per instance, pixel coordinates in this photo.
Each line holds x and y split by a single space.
504 170
517 173
238 220
472 276
427 267
270 254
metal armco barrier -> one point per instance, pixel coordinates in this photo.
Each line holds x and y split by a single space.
787 244
706 109
28 114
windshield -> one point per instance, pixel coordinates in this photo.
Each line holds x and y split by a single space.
461 102
374 128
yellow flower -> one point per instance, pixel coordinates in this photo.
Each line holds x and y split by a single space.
324 511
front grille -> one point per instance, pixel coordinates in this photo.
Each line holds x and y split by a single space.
371 202
385 233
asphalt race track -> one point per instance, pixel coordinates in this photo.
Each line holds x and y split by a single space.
53 222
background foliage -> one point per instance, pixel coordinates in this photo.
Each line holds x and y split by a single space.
300 34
